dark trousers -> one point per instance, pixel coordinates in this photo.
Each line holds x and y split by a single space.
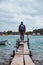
22 36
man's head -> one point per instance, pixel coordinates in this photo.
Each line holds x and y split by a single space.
21 22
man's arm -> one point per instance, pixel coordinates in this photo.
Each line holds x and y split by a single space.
19 28
25 28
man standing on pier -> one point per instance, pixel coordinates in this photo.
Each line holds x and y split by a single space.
22 30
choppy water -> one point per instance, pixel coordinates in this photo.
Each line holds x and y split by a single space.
36 46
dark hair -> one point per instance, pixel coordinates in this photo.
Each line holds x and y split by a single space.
22 22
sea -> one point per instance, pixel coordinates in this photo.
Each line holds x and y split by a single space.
36 47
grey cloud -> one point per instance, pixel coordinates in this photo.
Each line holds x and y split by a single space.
6 16
13 11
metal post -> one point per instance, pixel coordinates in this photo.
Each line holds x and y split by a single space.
28 41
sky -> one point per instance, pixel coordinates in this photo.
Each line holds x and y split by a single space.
12 12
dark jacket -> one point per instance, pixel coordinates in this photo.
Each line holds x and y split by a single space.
20 29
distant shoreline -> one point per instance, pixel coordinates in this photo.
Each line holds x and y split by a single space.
19 34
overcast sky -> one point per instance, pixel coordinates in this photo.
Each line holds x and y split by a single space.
12 12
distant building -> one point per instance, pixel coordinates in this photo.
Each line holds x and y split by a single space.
33 33
38 33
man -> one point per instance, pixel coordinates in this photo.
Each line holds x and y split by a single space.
22 30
